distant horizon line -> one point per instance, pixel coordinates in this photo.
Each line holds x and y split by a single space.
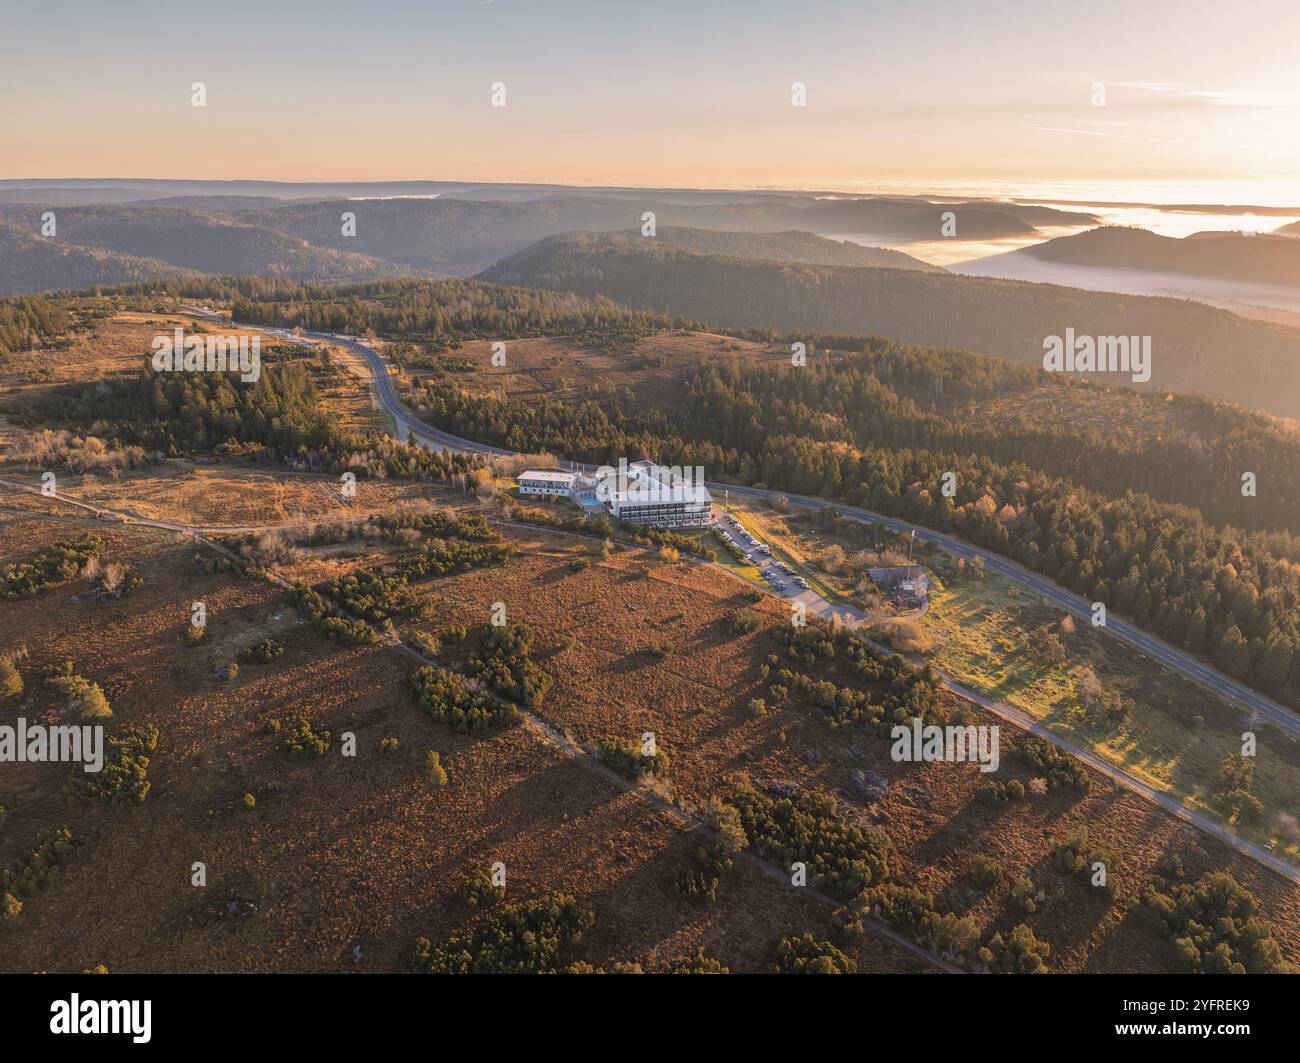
1025 194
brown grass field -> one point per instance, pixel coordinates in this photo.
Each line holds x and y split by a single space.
363 851
121 343
569 370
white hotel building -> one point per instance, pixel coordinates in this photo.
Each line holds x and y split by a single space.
655 496
550 482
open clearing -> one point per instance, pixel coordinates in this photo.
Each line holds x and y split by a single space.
1007 644
363 851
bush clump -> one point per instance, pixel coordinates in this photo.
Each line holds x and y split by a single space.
263 652
807 955
124 778
1076 857
998 794
1019 952
534 937
983 871
446 698
57 563
423 643
1059 768
624 755
1213 926
39 866
86 700
742 621
806 827
696 963
303 744
11 681
434 769
478 891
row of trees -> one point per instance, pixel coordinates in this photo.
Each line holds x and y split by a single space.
278 417
1185 449
29 320
1228 595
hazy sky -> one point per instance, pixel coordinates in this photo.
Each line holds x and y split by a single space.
930 94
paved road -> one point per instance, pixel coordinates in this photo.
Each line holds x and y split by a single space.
125 516
413 427
1172 658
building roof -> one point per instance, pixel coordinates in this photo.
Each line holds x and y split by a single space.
652 484
549 475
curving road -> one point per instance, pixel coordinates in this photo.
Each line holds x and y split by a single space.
411 427
1172 658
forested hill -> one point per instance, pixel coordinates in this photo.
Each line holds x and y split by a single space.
1195 348
792 246
461 237
185 240
30 263
1234 598
1254 259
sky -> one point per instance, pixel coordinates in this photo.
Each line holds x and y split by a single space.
1199 101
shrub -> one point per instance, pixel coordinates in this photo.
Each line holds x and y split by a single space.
1233 789
1170 865
807 955
124 776
625 757
696 963
983 871
905 636
996 794
742 621
1213 927
806 827
535 937
445 698
913 913
478 891
423 643
505 666
1020 952
388 747
1026 894
579 564
11 682
303 744
36 868
250 801
263 652
1060 768
1102 705
716 855
57 563
433 767
1076 857
328 620
117 581
86 700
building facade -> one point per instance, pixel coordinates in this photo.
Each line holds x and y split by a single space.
546 482
653 496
